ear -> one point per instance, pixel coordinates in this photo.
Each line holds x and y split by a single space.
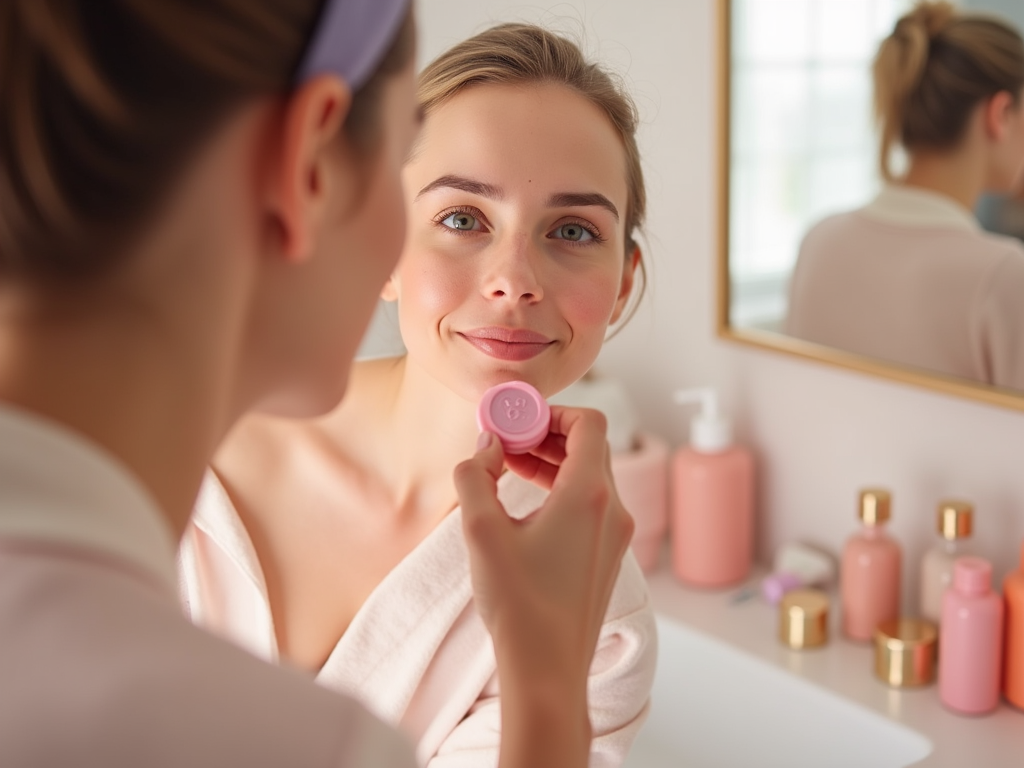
626 286
390 290
302 180
997 113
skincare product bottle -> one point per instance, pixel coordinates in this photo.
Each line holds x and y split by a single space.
712 524
869 578
955 519
1013 603
970 639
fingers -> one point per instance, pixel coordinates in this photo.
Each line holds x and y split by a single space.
586 443
476 481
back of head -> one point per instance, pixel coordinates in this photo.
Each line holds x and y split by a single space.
934 69
102 103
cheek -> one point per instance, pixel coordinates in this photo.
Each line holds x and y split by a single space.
590 302
427 291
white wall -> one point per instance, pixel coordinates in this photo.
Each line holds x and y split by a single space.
819 433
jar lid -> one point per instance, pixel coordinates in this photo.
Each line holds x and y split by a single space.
803 619
905 652
875 506
955 519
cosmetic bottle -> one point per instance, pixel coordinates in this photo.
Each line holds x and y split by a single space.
869 578
712 510
1013 603
970 639
955 520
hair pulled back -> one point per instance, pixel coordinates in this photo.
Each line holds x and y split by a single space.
103 101
934 69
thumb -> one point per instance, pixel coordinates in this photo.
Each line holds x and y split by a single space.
476 481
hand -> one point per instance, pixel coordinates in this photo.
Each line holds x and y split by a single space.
542 584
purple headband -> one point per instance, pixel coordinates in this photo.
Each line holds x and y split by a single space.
351 38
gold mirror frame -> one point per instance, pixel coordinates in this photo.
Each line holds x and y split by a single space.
797 347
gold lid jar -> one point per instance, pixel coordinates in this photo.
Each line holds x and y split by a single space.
955 519
875 506
803 619
905 652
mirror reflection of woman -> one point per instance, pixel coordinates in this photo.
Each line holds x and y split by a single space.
911 277
336 545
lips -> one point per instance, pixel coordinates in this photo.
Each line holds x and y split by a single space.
513 344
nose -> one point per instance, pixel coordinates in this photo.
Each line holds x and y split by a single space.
512 272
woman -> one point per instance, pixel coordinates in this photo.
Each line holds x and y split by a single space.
333 544
911 278
191 200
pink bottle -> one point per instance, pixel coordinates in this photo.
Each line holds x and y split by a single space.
869 578
712 501
970 639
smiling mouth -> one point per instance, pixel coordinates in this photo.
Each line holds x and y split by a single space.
511 344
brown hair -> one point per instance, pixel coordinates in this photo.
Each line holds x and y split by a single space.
519 54
103 101
934 69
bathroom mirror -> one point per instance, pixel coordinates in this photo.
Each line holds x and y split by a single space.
798 143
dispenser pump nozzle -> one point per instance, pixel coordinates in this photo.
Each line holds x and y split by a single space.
710 432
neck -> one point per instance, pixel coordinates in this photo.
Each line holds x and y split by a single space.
959 175
122 379
412 430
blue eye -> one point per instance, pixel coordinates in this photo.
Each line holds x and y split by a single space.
575 233
461 221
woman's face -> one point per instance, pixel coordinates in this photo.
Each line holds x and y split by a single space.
514 262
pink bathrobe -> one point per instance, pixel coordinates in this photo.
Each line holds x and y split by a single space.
417 653
99 669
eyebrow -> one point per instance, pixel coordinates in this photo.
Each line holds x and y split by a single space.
466 185
574 199
490 191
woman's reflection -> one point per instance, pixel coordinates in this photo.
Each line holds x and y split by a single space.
911 277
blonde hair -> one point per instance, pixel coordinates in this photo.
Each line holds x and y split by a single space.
520 54
935 67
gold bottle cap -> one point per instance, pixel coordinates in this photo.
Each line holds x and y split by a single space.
905 652
803 619
955 519
875 506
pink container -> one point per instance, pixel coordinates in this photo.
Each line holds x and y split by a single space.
869 579
870 583
641 478
517 413
712 516
970 639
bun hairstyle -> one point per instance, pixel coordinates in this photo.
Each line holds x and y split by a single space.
102 102
934 69
524 54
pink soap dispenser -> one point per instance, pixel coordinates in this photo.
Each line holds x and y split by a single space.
712 500
970 639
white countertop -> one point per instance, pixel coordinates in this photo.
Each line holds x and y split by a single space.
846 668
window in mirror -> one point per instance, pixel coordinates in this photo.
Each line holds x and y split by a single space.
802 138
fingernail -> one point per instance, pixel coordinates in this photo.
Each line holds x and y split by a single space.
484 441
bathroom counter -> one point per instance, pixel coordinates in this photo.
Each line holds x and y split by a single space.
846 668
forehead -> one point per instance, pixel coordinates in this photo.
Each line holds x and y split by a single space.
544 137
